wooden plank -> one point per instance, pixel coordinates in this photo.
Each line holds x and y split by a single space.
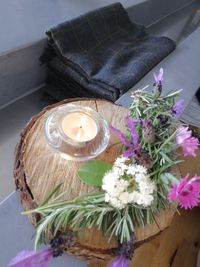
186 255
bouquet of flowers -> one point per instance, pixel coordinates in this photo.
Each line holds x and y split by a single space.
137 185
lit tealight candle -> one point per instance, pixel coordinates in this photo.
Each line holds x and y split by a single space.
77 133
79 127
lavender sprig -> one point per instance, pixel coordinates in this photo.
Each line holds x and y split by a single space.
125 252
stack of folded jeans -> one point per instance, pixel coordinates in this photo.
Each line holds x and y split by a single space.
100 54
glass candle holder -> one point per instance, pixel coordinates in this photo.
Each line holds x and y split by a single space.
76 133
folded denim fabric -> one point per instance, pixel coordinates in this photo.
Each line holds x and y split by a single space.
63 88
60 88
80 83
105 52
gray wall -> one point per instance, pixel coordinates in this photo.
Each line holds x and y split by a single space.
24 21
20 72
22 26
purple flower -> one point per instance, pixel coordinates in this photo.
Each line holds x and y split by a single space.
132 144
186 192
158 82
189 146
119 262
178 107
127 248
32 258
182 135
188 143
158 78
125 252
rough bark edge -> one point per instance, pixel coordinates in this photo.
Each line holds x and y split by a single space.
27 199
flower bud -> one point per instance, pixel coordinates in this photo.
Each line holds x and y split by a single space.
157 90
148 131
143 159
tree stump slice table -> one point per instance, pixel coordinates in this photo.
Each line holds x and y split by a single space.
38 169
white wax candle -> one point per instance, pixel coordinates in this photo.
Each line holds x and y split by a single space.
79 127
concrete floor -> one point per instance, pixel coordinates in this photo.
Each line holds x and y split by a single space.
14 117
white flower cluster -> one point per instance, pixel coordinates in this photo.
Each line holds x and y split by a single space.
128 183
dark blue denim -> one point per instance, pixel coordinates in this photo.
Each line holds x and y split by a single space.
104 52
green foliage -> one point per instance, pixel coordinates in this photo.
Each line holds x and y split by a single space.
157 109
50 195
93 171
88 211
